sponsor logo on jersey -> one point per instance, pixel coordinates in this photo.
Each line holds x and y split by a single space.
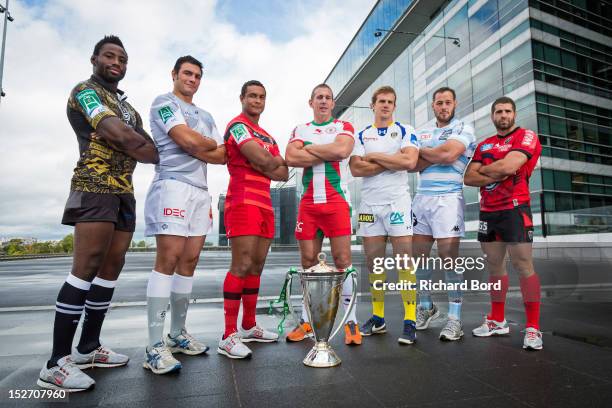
508 140
394 135
528 139
396 218
239 132
455 229
503 148
382 131
165 113
331 130
298 226
445 134
366 218
426 136
89 100
370 138
486 146
492 186
174 212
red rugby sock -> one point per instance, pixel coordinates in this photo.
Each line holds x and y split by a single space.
530 288
250 291
498 298
232 292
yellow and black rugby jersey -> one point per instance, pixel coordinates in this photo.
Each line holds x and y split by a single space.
100 168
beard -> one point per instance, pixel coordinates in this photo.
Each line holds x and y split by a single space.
503 126
450 117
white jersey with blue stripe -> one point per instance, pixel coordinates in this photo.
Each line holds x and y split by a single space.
439 179
386 187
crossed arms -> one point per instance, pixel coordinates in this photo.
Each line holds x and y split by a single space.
375 163
478 175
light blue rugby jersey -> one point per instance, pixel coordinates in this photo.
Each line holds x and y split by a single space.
440 179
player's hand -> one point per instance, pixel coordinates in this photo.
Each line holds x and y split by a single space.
97 138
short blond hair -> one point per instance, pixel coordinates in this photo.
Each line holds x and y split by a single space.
383 90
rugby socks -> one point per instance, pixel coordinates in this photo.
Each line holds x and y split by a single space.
250 291
179 302
378 295
347 292
424 295
97 303
498 298
530 288
158 296
232 293
68 308
408 296
455 296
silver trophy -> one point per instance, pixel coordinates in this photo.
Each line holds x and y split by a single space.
322 287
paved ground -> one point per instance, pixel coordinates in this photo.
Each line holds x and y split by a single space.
574 369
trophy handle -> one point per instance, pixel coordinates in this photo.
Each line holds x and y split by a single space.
352 272
284 299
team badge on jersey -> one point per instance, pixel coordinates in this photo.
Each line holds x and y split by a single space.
165 113
239 132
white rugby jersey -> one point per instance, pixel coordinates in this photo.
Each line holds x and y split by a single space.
325 182
167 111
440 179
388 186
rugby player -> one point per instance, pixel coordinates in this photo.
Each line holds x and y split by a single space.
445 150
101 207
177 211
382 155
253 159
501 167
322 148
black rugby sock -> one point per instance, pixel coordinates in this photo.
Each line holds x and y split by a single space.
96 304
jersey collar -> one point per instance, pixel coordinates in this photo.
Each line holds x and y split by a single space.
324 123
384 127
509 134
106 85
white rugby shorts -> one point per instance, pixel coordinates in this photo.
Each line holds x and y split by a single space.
176 208
439 216
393 220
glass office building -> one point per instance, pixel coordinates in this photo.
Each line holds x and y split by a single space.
553 57
285 202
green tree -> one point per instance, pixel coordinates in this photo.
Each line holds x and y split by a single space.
15 247
142 244
67 243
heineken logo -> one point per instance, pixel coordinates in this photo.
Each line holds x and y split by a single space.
89 100
165 113
239 132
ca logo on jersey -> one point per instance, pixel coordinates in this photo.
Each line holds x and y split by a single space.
366 218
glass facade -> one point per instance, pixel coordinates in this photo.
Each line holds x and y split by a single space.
553 58
285 203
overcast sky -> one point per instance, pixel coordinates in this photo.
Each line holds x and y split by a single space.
288 45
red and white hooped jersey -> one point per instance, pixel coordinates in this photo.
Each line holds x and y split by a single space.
325 182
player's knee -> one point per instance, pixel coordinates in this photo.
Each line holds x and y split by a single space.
242 269
342 260
308 260
522 265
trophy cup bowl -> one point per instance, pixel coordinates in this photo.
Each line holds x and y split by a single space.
322 287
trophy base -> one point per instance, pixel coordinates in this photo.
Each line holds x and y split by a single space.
322 356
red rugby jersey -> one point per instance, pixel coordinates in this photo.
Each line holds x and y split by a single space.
247 185
514 190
